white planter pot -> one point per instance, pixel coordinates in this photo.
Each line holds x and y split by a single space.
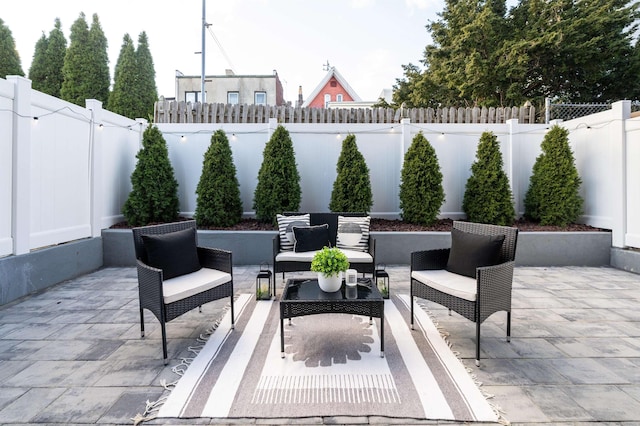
330 284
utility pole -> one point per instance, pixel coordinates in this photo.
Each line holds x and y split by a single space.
204 27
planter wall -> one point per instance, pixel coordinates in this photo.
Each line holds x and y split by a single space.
392 248
30 273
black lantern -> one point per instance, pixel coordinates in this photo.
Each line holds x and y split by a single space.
382 280
263 283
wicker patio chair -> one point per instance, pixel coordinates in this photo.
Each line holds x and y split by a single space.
168 298
474 298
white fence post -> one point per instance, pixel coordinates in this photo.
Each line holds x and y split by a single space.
95 162
21 188
621 112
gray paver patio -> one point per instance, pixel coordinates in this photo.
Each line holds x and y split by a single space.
73 354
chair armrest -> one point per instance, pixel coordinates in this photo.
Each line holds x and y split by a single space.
429 259
149 283
276 245
215 258
495 278
372 247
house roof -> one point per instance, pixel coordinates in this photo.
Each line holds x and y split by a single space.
333 72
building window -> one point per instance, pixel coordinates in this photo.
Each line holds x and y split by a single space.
193 97
260 98
339 97
327 99
233 98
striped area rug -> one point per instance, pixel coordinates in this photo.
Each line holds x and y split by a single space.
332 367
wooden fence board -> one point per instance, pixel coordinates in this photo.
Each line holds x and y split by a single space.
185 112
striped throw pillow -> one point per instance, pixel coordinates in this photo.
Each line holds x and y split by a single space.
285 228
353 233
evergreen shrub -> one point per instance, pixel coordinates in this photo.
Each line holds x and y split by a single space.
352 187
487 196
218 191
421 192
553 197
154 197
278 189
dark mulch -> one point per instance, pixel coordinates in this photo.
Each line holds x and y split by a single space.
386 225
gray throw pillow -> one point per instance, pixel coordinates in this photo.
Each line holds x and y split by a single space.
470 251
174 252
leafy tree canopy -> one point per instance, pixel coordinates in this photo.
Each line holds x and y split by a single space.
482 54
9 57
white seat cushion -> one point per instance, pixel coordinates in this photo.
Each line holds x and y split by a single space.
448 282
354 256
187 285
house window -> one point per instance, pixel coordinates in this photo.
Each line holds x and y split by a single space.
327 99
233 98
260 98
193 97
333 83
339 97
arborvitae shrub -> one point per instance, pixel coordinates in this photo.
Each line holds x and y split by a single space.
421 192
352 187
218 191
154 197
553 197
278 189
487 196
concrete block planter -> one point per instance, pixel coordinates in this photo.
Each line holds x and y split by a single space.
392 248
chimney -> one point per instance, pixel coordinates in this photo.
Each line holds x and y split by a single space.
300 100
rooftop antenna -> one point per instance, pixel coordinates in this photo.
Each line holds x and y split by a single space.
326 67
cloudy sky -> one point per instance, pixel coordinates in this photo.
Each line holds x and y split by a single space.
366 40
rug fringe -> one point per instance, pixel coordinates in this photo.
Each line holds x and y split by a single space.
152 407
500 413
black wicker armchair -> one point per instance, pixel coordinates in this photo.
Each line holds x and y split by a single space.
169 290
477 292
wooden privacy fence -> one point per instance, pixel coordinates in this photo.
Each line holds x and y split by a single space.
186 112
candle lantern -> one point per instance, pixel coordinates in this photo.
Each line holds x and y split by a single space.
382 280
263 283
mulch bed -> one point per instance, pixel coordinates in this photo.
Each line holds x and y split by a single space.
386 225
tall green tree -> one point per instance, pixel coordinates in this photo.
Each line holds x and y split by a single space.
38 71
46 68
124 98
278 189
421 192
487 196
468 40
86 63
76 84
571 50
154 194
9 57
218 191
147 89
352 187
578 51
99 61
553 197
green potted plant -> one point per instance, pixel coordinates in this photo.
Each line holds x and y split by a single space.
329 263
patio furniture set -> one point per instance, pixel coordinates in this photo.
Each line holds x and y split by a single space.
473 277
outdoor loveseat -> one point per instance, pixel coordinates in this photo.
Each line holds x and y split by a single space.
175 275
301 235
474 277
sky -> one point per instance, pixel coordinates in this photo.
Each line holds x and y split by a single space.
367 41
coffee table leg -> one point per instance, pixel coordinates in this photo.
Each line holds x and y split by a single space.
382 336
281 337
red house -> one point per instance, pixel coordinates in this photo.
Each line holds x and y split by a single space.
332 88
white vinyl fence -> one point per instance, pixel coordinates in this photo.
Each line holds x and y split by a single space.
65 175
